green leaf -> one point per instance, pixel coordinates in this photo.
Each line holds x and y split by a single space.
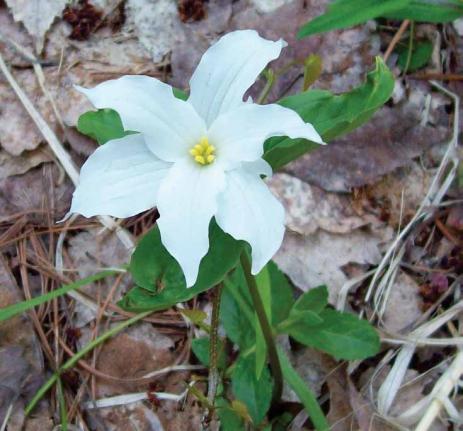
160 280
342 335
304 393
312 70
230 420
306 309
236 310
201 348
18 308
255 393
331 115
314 300
347 13
420 55
429 11
102 125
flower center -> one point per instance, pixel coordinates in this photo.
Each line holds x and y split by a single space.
203 152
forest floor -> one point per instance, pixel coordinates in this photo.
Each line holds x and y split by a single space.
376 215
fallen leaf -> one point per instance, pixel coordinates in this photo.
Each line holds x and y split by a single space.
311 261
10 165
404 305
41 192
136 416
37 16
21 361
157 25
309 208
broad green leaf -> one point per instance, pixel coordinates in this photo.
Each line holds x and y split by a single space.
420 55
303 392
306 309
347 13
102 125
160 280
255 393
230 419
237 311
304 318
201 346
429 11
314 300
331 115
342 335
18 308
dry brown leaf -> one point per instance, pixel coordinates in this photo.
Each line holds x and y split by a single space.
309 208
10 165
133 416
133 353
37 16
41 190
404 304
157 25
319 258
21 361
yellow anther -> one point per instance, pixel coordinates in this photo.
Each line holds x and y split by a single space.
200 160
203 153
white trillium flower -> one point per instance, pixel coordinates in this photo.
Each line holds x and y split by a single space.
194 159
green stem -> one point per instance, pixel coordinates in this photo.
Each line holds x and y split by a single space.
410 47
72 361
305 394
13 310
62 406
266 328
213 346
270 75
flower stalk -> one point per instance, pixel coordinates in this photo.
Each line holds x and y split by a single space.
214 345
275 365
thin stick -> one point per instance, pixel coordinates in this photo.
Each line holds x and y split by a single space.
213 346
266 328
396 39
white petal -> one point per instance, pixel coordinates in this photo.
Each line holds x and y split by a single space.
187 201
170 125
239 135
258 167
121 178
248 211
228 69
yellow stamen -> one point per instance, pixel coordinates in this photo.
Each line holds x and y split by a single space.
203 153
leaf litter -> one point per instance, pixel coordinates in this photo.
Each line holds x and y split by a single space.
345 204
